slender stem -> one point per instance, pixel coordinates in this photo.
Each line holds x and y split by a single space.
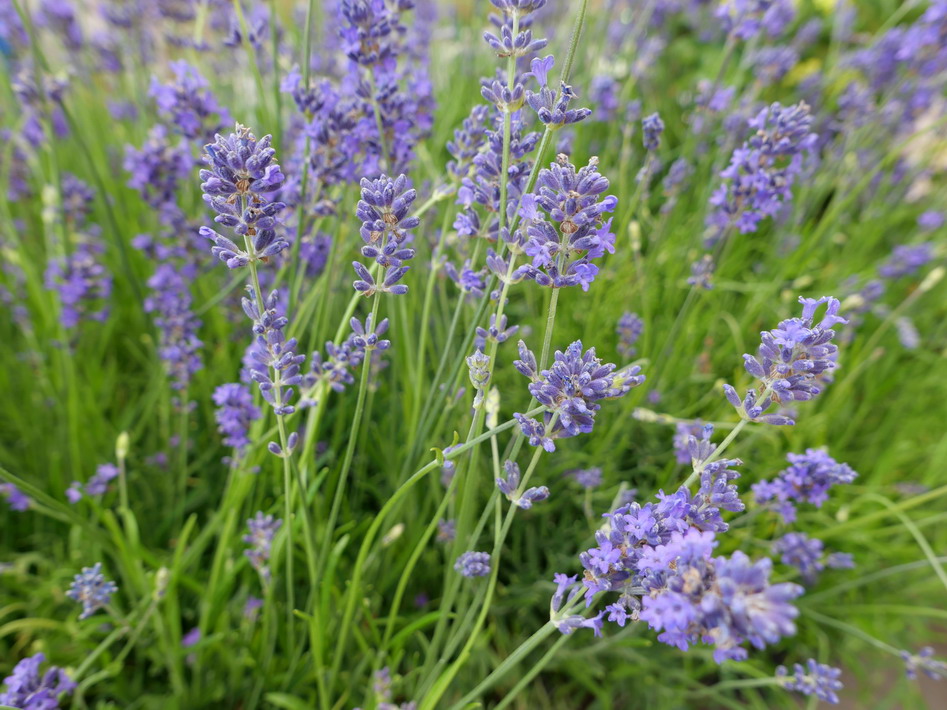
550 326
508 664
354 585
352 441
718 452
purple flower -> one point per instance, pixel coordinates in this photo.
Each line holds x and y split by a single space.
275 366
793 362
187 103
807 479
27 689
250 609
496 333
931 220
83 283
683 432
262 528
570 391
759 179
802 552
365 337
98 484
551 107
603 94
156 170
925 662
509 485
235 412
814 678
744 19
702 272
74 492
92 590
242 171
473 564
468 140
652 127
573 231
59 16
314 252
191 638
446 530
588 478
170 302
383 211
905 260
520 45
629 329
771 64
16 499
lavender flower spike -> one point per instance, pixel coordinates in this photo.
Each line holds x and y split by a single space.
794 362
571 391
473 564
26 688
241 173
92 590
383 210
814 678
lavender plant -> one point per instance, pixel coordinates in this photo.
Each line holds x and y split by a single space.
296 487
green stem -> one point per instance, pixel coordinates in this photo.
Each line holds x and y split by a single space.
508 664
355 584
352 441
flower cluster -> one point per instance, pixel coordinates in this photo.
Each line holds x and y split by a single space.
522 43
588 478
335 370
629 329
717 491
814 678
392 104
497 332
482 185
552 108
188 104
235 413
170 301
759 179
744 19
27 688
683 432
925 662
16 499
793 363
570 391
473 564
156 169
723 601
651 129
97 486
563 226
509 485
273 352
806 555
91 589
383 210
262 528
242 172
807 480
83 283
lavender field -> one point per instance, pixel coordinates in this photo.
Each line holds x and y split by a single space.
455 354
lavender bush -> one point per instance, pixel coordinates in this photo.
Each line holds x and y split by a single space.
413 354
